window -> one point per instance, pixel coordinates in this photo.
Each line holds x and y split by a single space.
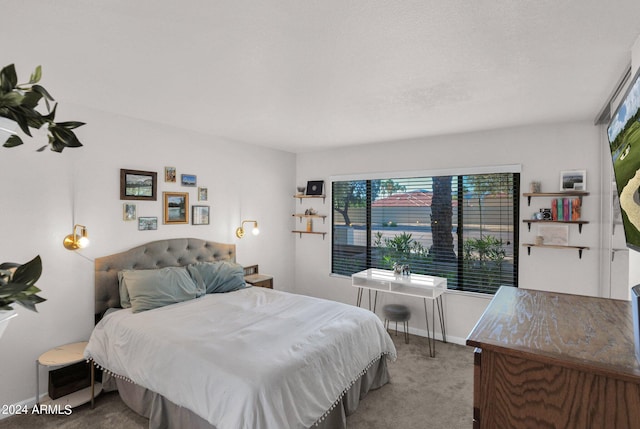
462 227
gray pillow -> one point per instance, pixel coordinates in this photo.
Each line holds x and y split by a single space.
218 276
148 289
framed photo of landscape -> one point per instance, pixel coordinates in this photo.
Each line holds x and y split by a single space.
176 207
200 215
147 223
138 185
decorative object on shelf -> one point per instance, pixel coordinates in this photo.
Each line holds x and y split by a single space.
200 215
315 187
176 207
309 225
534 187
138 185
573 180
147 223
240 230
128 211
188 180
18 284
310 212
554 234
170 174
539 240
18 103
78 239
203 194
301 189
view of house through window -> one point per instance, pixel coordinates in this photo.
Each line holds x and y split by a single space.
461 227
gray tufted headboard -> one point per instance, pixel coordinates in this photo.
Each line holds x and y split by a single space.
175 252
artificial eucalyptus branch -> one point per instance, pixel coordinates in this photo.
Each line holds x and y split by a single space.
18 102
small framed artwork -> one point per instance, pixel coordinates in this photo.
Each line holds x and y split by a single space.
128 211
315 187
188 180
138 185
147 223
203 194
170 174
554 234
176 207
573 180
200 215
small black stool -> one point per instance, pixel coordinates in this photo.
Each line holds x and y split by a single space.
397 313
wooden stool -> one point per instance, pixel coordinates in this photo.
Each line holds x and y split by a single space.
397 313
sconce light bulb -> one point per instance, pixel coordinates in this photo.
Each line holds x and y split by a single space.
83 242
255 230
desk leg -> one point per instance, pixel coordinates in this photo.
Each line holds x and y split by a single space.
430 338
441 317
369 299
359 297
375 301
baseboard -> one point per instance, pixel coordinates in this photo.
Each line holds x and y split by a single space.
21 407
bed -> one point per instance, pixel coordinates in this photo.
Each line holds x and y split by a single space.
251 358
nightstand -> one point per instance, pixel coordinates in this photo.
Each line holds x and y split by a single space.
64 356
252 277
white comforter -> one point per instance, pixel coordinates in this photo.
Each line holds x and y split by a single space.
254 358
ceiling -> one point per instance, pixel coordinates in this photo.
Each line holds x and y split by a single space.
305 75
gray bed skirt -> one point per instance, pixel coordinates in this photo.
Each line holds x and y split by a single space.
163 413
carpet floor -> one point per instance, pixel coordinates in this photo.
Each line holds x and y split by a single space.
424 392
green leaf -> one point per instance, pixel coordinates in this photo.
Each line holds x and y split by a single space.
8 78
70 124
13 141
29 273
31 99
36 75
11 99
40 90
42 148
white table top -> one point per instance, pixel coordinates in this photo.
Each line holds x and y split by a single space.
63 355
418 285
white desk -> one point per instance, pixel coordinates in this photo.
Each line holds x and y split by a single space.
416 285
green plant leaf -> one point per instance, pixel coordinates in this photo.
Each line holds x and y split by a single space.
40 90
36 75
11 99
8 78
28 273
13 141
31 99
70 125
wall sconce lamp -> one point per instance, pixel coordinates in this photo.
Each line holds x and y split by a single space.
240 229
79 239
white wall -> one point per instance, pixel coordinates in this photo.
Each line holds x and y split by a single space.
543 151
40 190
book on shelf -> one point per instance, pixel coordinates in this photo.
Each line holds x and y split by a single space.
566 209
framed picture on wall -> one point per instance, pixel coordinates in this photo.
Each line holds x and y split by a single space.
200 215
147 223
203 194
188 179
176 207
170 174
138 185
128 211
315 187
573 180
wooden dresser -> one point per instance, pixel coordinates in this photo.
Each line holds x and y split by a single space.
551 360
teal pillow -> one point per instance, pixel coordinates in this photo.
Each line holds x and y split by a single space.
148 289
218 276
